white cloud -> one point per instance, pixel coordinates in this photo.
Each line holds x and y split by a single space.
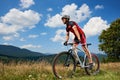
49 9
60 36
30 46
54 21
99 7
26 3
7 38
95 26
77 14
44 33
10 37
8 29
33 36
22 39
16 21
6 43
15 17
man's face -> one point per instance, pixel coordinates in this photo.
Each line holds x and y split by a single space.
64 20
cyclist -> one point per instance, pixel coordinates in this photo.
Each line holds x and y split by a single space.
73 27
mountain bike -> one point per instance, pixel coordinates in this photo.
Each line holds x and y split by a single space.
64 64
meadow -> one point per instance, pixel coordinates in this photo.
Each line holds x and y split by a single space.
43 71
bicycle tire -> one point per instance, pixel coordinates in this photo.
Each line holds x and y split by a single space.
96 65
60 69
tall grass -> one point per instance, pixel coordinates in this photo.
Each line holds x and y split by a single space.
43 71
26 71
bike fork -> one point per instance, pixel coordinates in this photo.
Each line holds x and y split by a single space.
67 61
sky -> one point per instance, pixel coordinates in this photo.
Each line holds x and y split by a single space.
36 24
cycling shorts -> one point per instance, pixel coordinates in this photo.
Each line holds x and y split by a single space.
83 39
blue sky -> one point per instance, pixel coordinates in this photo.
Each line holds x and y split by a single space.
37 26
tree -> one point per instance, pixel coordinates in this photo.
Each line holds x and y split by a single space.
110 40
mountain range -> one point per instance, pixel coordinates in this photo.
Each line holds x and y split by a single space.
16 52
12 51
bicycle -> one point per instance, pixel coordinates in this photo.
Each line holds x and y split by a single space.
64 63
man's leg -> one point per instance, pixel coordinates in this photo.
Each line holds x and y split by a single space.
87 53
76 52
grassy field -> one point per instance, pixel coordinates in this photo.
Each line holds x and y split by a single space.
43 71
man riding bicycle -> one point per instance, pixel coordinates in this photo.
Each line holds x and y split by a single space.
73 27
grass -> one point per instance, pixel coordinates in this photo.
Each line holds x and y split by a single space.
43 71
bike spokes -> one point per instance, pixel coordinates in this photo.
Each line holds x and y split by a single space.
63 65
95 67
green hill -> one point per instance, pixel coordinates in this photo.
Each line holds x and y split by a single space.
12 51
8 52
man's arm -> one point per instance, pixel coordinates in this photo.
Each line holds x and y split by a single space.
67 36
76 32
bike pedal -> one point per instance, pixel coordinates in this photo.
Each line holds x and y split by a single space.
90 66
78 64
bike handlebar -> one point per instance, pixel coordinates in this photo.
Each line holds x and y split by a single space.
71 44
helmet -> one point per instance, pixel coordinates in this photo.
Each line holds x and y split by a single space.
66 17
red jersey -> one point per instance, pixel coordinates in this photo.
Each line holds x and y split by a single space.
69 26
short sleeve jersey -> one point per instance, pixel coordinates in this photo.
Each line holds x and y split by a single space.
69 26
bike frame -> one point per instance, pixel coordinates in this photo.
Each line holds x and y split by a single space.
69 62
71 51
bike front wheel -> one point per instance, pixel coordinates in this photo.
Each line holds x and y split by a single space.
63 65
96 65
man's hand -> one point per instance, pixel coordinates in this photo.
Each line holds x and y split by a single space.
65 43
79 40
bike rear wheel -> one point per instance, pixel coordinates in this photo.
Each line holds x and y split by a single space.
96 65
63 65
